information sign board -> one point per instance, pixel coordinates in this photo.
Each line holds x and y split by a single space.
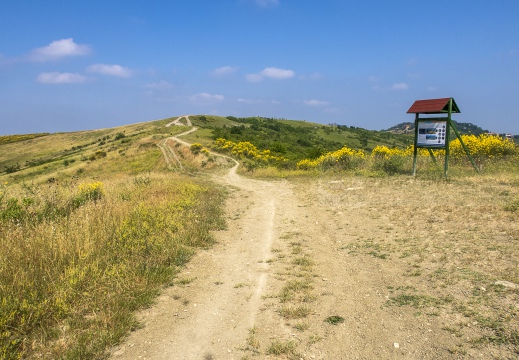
432 133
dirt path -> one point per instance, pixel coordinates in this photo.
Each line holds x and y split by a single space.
177 121
170 156
211 314
310 269
276 274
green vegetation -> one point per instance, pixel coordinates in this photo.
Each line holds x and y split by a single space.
282 348
334 319
265 144
296 140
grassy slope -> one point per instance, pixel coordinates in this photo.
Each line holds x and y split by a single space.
52 150
288 132
88 239
46 156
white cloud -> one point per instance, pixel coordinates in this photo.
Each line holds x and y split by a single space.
277 73
251 101
270 72
316 102
114 70
224 70
59 49
61 78
400 86
161 85
267 3
207 98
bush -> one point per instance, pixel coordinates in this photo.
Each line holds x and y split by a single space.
483 147
119 136
12 168
341 159
390 161
88 192
196 148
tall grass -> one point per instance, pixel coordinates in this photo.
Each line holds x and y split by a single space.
79 258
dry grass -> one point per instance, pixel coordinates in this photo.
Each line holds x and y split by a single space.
70 280
86 246
455 243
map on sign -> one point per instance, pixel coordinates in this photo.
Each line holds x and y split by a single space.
431 133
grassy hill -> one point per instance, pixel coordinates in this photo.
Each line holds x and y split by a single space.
293 139
62 154
65 153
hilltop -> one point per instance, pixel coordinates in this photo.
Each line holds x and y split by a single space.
294 139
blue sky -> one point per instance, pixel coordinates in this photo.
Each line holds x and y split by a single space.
79 65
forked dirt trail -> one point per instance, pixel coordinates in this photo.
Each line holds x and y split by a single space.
335 268
275 275
209 317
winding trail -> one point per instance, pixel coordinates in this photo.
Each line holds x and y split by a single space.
211 317
304 239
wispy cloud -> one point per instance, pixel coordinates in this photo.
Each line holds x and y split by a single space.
224 70
251 101
315 102
271 72
399 86
59 49
277 73
205 98
114 70
61 78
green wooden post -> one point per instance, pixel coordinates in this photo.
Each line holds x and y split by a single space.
432 156
415 151
447 138
465 148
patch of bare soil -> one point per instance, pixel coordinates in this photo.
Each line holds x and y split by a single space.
345 268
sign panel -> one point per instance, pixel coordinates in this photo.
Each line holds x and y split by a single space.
432 133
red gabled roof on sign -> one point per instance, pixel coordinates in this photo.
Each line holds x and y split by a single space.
432 106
